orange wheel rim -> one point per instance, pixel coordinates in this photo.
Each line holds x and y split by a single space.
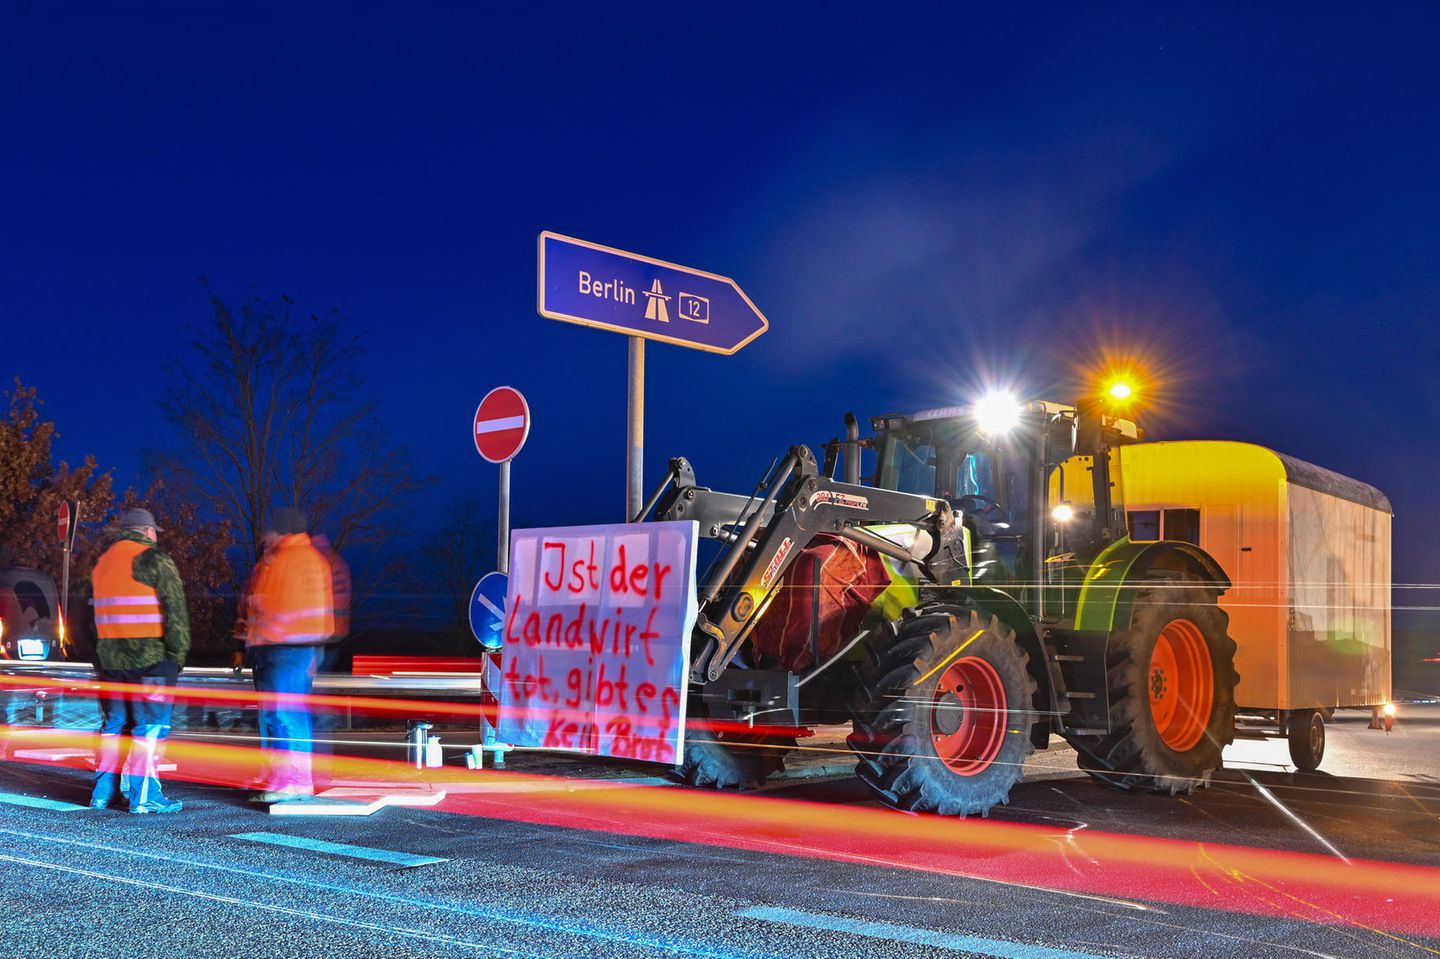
1181 684
967 718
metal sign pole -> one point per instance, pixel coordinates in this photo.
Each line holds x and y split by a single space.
65 571
635 431
502 546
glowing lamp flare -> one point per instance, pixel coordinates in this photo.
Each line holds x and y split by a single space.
997 413
1063 513
1120 391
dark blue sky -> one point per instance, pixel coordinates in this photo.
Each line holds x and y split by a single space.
919 201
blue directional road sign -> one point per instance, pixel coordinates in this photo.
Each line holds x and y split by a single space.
610 289
487 610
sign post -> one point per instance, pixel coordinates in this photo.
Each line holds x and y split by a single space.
502 422
645 299
65 525
487 619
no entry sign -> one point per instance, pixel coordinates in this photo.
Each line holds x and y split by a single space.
502 421
62 523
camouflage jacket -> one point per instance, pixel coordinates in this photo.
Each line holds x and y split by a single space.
157 570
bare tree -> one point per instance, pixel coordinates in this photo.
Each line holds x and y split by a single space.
270 412
455 555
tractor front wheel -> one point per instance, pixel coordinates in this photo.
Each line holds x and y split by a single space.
729 759
946 707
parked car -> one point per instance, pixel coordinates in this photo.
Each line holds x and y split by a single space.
31 624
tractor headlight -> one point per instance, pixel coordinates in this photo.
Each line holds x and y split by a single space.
996 413
1063 513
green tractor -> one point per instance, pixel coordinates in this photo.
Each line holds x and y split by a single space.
977 596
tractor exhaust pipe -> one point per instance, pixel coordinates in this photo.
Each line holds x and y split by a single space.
851 462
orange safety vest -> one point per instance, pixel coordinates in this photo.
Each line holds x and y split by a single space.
124 607
291 598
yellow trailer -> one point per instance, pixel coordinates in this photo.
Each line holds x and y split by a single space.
1307 550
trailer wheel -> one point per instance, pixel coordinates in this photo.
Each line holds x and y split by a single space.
738 761
943 723
1172 692
1306 732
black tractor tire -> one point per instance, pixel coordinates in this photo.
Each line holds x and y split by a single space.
1136 754
911 707
731 760
1305 728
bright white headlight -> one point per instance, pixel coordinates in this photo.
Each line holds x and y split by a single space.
996 413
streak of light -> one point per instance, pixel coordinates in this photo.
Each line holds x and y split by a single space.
1122 903
1293 817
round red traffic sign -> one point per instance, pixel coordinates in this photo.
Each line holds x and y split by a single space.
502 421
62 525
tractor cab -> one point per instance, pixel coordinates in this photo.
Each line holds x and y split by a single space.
986 479
1022 477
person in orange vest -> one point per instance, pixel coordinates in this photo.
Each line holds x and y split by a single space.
142 630
289 618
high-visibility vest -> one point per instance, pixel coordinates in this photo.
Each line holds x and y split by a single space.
291 597
124 607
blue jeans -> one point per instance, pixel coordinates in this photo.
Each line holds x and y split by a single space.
286 729
143 717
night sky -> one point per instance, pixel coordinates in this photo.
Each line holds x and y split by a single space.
921 203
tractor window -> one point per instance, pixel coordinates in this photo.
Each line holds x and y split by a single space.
1183 525
975 476
909 465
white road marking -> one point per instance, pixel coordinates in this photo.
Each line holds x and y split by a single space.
267 907
55 805
427 905
339 849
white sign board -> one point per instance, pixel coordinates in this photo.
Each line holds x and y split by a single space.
597 639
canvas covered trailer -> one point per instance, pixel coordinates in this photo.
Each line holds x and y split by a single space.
1307 551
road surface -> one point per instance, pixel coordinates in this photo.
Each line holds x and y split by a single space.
223 878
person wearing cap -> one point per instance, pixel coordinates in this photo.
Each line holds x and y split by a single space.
289 617
142 630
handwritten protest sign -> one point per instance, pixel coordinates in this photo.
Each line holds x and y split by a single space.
597 639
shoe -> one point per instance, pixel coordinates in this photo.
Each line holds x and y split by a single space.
99 804
161 805
282 795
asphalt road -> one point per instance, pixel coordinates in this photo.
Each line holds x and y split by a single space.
225 879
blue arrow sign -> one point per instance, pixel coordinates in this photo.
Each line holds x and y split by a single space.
487 610
610 289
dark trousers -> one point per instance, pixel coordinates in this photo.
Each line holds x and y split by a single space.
286 729
140 720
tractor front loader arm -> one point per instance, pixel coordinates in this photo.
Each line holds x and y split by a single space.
766 538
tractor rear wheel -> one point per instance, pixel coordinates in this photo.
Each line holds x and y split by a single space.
1172 692
943 724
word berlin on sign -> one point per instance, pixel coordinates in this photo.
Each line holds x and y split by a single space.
597 639
610 289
